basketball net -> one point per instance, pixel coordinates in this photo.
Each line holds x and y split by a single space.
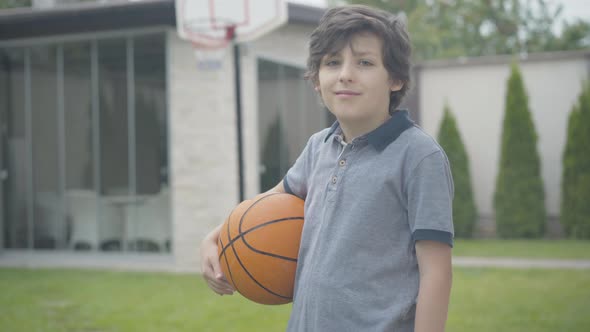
210 53
211 25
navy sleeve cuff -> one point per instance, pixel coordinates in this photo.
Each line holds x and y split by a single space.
433 235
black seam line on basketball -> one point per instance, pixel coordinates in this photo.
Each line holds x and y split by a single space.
228 269
244 239
254 279
247 210
268 253
256 250
229 239
240 261
255 228
241 235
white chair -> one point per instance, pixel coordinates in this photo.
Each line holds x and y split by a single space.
50 225
150 220
91 226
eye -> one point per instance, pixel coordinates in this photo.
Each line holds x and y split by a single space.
365 63
331 63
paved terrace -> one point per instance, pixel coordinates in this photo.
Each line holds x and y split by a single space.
166 263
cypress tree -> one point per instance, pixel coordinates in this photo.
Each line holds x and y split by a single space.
464 211
575 209
519 200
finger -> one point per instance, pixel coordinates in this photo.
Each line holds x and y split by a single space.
220 289
218 278
222 279
222 285
225 284
206 273
206 268
217 268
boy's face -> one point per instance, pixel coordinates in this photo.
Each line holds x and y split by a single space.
354 83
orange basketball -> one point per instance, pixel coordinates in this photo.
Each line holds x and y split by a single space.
258 247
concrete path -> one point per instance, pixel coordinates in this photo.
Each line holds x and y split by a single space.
521 263
165 263
102 261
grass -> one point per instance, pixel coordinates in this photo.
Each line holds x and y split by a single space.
559 249
71 300
74 300
519 300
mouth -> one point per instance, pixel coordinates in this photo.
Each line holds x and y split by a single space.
346 93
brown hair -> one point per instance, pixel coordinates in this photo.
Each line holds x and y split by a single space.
340 24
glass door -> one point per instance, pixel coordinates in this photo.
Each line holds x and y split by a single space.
3 132
13 208
3 176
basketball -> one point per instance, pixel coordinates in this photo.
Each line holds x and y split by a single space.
258 247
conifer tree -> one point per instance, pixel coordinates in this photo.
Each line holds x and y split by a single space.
575 209
519 200
464 211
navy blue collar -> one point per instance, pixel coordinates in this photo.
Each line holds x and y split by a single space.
386 133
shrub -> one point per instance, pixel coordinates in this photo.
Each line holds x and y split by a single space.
519 200
575 190
464 211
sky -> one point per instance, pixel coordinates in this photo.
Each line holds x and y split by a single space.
572 9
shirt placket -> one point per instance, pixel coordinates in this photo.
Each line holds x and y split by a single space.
339 170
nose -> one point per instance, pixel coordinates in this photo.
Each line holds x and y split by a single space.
346 72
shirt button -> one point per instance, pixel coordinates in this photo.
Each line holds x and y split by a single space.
342 162
334 179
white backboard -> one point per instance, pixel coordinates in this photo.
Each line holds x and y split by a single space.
205 21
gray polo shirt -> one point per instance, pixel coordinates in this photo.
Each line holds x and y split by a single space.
366 203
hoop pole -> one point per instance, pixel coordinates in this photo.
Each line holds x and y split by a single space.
230 32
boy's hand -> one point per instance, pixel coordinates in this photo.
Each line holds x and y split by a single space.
210 266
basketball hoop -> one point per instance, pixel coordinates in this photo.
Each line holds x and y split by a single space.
211 25
210 52
209 58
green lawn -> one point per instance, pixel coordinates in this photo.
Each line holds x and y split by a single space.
561 249
519 300
70 300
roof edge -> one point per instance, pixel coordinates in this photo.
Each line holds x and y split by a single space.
502 59
115 15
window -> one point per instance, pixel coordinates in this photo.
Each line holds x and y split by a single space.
289 113
86 145
13 138
49 223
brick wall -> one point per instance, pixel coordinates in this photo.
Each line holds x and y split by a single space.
203 157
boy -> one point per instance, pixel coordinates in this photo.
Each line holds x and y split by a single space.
375 251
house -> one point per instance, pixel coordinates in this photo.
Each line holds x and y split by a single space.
119 148
116 143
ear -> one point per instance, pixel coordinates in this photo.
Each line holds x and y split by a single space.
317 89
396 85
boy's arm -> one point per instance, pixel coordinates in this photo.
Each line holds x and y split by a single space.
434 262
279 188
